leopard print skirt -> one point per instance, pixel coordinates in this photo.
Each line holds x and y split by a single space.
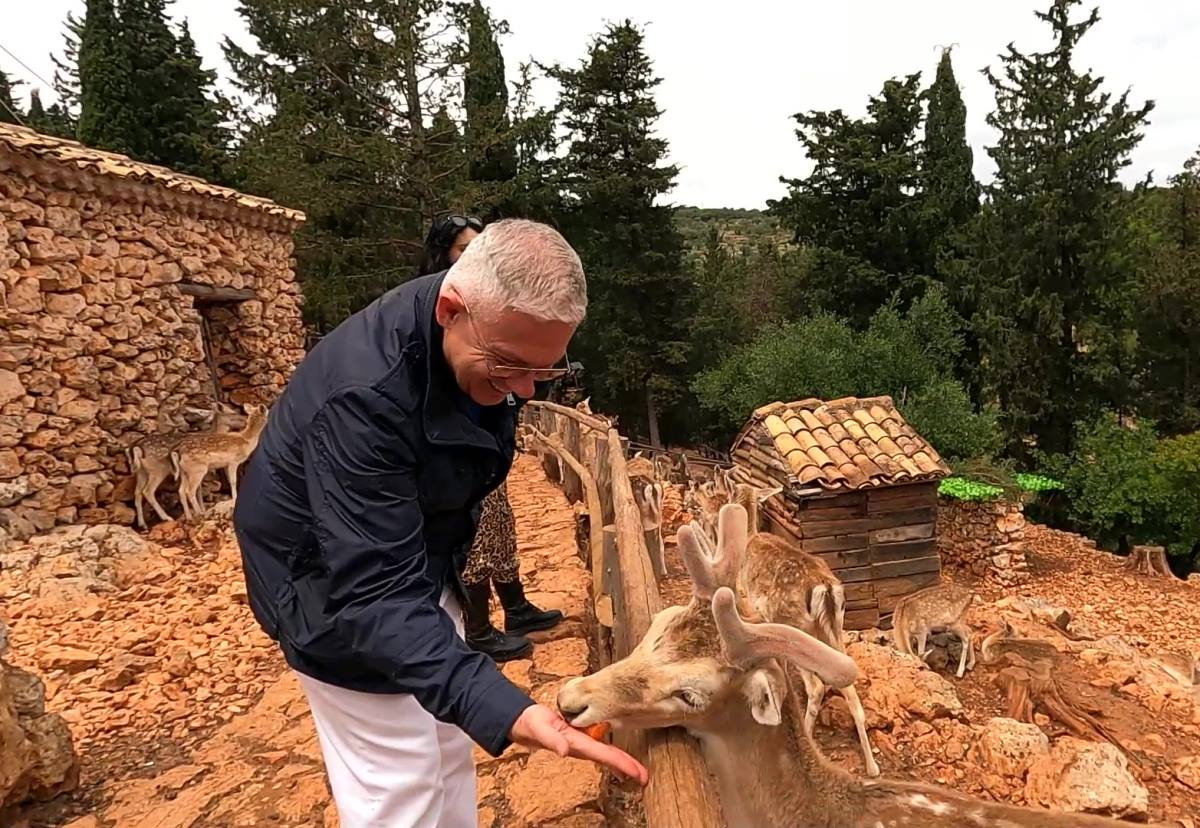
493 555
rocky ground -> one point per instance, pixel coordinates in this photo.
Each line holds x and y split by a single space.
927 725
183 713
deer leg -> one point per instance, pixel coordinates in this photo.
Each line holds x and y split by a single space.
186 495
154 479
860 724
814 691
967 659
137 501
922 641
231 473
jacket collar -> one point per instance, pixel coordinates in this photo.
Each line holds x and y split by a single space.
446 421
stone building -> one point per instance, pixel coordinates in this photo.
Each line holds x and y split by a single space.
130 297
859 492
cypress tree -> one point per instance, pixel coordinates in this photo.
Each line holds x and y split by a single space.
489 137
950 191
106 119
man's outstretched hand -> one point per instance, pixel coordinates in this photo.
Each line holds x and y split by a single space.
540 727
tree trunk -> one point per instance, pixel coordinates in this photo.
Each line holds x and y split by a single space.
652 419
1149 560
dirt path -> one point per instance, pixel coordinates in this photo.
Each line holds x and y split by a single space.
185 715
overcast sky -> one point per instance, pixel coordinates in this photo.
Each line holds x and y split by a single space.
734 75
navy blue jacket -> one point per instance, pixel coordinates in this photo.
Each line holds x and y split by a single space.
359 507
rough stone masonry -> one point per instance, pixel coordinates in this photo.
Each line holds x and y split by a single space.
107 271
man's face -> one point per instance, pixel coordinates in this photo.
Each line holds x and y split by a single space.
494 354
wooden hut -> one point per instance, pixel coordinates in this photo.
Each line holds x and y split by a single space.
859 491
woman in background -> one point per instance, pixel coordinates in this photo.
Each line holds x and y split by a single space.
492 561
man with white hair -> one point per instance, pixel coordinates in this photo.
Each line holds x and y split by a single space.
358 508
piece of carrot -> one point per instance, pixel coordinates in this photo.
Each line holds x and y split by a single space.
597 731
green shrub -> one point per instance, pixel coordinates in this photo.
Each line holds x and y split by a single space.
909 357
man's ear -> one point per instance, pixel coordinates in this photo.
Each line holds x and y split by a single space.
449 307
764 691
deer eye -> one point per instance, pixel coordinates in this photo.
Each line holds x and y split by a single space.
689 697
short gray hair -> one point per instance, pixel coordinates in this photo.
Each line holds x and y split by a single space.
522 265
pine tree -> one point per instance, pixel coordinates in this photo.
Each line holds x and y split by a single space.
348 88
106 117
950 191
1051 276
634 343
8 107
861 207
490 139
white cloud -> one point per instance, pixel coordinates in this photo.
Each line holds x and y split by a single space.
734 74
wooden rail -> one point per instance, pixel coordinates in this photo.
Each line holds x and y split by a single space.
626 599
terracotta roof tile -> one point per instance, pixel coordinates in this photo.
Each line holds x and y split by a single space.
74 156
848 443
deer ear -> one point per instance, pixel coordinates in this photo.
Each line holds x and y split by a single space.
764 693
763 495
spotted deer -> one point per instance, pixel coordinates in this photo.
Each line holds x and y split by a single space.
197 454
939 607
790 586
713 668
149 461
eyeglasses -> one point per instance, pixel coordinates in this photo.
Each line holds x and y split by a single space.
498 370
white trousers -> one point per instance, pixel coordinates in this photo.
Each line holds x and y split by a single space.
390 763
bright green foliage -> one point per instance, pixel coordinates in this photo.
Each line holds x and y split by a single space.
1038 483
1048 276
860 208
907 356
635 341
960 488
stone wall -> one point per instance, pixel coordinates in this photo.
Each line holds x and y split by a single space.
37 757
985 538
98 345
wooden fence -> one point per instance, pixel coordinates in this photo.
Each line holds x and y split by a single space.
585 456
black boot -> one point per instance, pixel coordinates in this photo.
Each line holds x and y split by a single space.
482 636
520 616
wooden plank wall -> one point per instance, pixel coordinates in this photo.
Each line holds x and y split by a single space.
879 542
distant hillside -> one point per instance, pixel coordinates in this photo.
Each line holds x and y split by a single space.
736 225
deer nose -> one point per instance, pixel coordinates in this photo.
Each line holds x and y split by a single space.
570 703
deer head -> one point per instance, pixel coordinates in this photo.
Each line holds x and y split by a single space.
695 661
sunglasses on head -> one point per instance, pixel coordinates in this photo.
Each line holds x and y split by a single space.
462 222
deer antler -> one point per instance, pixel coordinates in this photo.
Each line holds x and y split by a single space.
747 643
709 567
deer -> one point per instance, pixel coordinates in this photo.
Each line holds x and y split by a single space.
787 585
149 461
195 455
939 607
645 480
714 668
